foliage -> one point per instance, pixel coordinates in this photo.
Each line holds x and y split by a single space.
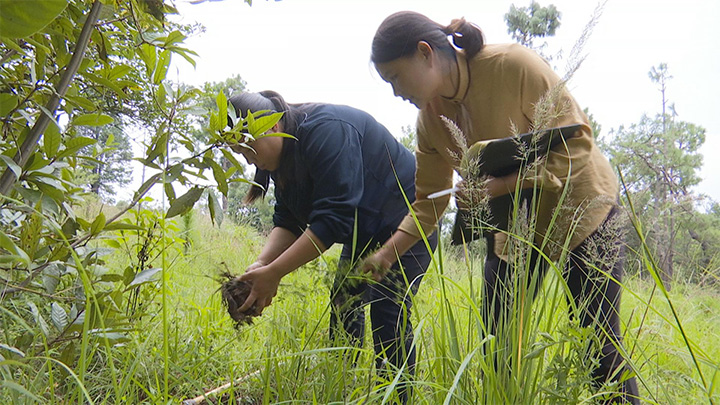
525 24
99 304
659 159
258 214
68 66
108 160
408 138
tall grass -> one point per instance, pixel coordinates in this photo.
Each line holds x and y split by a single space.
287 356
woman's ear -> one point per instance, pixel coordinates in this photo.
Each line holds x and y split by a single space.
424 49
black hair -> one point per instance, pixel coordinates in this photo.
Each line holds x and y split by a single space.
400 33
274 102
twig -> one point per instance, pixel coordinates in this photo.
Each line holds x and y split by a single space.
201 399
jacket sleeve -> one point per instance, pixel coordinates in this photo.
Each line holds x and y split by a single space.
547 103
333 152
283 218
434 173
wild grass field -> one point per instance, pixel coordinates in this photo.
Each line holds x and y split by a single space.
185 345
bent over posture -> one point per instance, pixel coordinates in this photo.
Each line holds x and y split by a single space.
342 178
493 92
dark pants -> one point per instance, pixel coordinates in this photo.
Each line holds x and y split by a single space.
595 295
390 302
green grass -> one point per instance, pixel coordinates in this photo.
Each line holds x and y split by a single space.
286 356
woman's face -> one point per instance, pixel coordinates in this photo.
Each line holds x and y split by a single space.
265 152
414 78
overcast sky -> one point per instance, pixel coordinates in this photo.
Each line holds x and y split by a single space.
319 50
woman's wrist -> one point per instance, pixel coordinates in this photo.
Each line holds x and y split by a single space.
387 255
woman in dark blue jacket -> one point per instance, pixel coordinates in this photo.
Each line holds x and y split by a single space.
338 181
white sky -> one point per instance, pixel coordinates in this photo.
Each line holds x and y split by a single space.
319 50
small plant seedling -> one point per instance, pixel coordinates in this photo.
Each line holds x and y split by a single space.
234 292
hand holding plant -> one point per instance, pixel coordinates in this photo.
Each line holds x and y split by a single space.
265 282
376 266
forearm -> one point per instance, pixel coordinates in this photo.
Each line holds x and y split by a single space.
399 243
499 186
304 249
278 241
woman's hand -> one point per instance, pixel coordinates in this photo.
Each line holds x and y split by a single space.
493 186
377 265
499 186
255 265
265 281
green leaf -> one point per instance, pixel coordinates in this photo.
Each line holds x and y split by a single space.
162 67
58 316
184 53
148 53
219 175
145 187
39 320
279 134
92 120
31 232
8 102
159 146
185 202
214 124
229 156
74 145
12 349
144 277
119 71
105 82
37 163
17 171
51 278
123 226
113 278
19 19
222 105
98 224
51 140
7 243
259 126
169 191
68 354
216 212
174 37
82 102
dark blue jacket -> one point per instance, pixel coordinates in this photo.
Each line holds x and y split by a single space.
344 182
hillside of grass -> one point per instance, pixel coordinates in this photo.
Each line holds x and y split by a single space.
286 355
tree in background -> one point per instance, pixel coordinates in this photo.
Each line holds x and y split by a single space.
408 138
526 24
659 159
108 160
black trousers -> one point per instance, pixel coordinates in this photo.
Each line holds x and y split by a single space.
595 295
390 303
